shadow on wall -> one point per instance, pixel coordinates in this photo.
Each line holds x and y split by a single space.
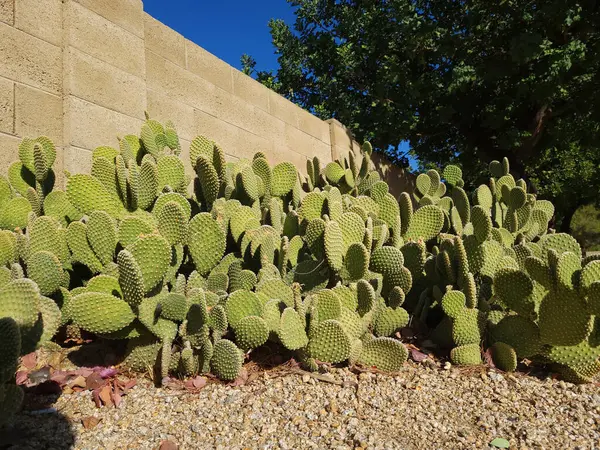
398 179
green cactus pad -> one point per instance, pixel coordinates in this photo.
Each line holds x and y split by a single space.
453 303
283 179
88 194
389 320
452 174
357 261
153 255
515 289
226 361
46 270
403 279
366 297
142 353
466 355
329 305
385 353
334 245
172 223
251 332
426 223
564 319
291 330
57 205
14 213
10 348
468 326
18 299
131 279
217 319
102 236
387 260
482 223
504 357
561 242
329 342
241 304
276 288
100 313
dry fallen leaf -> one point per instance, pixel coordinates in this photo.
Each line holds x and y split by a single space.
168 445
105 395
94 381
79 382
29 360
241 379
90 422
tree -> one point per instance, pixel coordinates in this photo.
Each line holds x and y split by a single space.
462 81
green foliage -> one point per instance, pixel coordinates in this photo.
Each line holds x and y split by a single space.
504 86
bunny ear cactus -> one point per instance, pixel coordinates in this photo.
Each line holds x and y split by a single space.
195 281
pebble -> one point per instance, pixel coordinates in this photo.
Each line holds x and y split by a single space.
443 408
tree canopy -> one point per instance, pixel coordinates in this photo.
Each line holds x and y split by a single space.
462 81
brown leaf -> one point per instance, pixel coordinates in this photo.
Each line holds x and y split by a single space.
105 395
129 385
90 422
96 398
79 382
116 399
94 381
22 377
417 355
168 445
241 379
487 356
29 360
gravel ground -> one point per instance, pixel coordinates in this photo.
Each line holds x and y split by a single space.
420 408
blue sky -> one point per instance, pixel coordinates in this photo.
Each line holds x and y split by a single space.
226 28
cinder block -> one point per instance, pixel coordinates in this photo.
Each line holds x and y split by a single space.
162 108
251 90
340 135
225 134
30 60
10 151
102 83
128 14
77 160
179 84
38 114
280 153
283 109
267 126
208 66
314 126
248 144
7 9
42 19
233 110
89 125
7 106
101 38
305 144
164 41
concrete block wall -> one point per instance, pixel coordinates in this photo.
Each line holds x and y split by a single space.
84 72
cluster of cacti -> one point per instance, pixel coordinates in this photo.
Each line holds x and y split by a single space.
194 273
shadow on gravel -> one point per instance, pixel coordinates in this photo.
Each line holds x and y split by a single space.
39 425
101 353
